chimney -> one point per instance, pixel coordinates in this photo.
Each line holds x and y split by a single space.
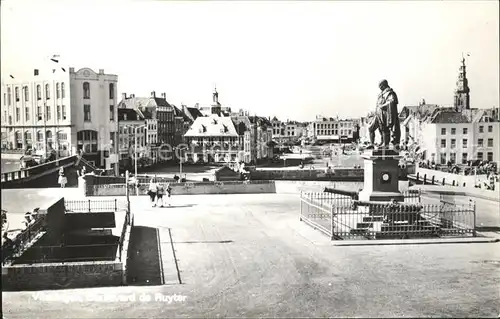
164 95
132 96
101 71
124 96
153 94
71 70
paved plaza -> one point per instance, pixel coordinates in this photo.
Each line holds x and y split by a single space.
248 255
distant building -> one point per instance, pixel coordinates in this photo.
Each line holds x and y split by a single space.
212 139
453 134
333 129
161 117
132 137
289 131
68 112
215 107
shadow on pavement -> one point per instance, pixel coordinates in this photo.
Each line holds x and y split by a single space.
178 206
144 265
205 242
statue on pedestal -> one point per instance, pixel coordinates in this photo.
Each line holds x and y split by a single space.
386 119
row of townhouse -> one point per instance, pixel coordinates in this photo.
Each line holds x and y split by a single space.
197 134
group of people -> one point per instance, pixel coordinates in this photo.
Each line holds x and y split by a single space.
157 190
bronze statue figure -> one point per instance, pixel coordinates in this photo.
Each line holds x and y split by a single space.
386 119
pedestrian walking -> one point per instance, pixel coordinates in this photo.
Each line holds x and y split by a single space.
153 188
160 191
62 180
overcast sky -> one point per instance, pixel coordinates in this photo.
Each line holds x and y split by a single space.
289 59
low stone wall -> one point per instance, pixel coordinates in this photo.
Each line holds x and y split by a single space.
62 276
189 188
341 174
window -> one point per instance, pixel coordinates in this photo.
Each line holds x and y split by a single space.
16 90
39 136
63 112
27 113
489 156
87 141
86 90
48 112
39 112
47 91
490 128
464 130
18 114
111 91
443 131
86 113
480 156
481 129
111 113
453 131
19 140
464 158
38 92
443 158
480 142
443 143
453 143
453 158
63 93
58 91
61 136
9 102
58 112
26 94
490 142
464 143
27 138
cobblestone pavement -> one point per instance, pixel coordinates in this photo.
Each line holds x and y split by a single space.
248 255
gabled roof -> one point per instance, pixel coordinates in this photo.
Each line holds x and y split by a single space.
161 101
421 111
450 117
130 114
193 113
212 125
178 112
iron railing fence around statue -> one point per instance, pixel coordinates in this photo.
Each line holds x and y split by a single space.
340 216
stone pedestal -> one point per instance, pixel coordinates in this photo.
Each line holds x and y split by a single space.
381 176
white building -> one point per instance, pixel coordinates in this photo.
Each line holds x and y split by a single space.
457 134
333 129
69 112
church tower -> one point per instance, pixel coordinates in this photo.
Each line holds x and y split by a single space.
462 98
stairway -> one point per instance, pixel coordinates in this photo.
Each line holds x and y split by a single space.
144 259
395 225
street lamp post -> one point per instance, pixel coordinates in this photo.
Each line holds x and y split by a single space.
180 149
135 159
135 156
